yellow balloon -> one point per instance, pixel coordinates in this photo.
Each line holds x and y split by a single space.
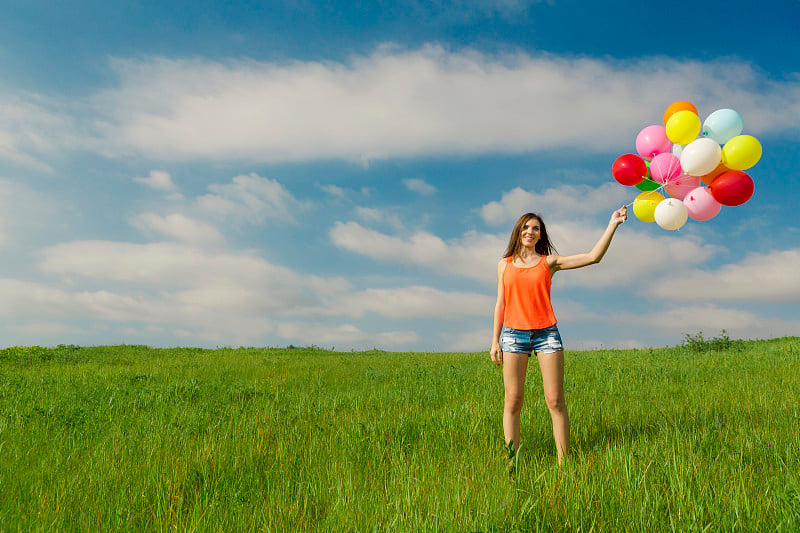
644 206
741 152
683 127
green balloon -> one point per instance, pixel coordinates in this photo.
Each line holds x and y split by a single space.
648 185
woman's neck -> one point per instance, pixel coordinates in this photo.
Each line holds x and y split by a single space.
526 256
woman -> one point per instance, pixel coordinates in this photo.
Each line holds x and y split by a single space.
524 321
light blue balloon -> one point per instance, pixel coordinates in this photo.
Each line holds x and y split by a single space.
723 125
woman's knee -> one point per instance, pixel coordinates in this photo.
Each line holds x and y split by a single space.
556 403
514 401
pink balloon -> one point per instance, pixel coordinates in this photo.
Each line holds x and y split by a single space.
680 186
701 204
652 141
665 167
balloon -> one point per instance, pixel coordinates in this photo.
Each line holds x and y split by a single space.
671 214
665 167
652 140
741 152
680 186
733 187
701 205
677 149
680 105
708 178
723 125
648 185
683 127
700 156
629 169
645 204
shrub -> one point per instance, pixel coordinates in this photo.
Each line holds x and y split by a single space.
699 344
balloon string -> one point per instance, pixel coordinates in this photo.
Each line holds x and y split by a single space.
662 188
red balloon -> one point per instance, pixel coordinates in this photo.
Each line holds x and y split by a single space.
629 169
732 187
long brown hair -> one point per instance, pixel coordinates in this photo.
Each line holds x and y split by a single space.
543 245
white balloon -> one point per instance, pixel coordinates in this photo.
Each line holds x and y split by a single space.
701 156
671 213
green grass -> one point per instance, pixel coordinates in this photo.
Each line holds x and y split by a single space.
701 437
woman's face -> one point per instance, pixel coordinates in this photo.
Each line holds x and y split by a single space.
531 231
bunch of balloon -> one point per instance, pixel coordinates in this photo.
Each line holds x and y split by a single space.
698 165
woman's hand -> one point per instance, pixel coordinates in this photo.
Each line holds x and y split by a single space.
619 216
496 353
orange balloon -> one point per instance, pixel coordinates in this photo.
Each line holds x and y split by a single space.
708 178
680 105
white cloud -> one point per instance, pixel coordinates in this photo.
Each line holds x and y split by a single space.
710 319
420 186
426 101
252 198
4 194
168 265
563 201
334 190
27 298
32 126
159 180
202 323
468 340
476 339
371 214
179 227
770 278
27 216
346 334
475 255
634 257
418 302
58 329
184 275
463 11
572 311
219 296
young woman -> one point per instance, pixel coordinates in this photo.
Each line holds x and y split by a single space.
524 321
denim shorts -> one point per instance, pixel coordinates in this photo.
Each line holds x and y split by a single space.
547 340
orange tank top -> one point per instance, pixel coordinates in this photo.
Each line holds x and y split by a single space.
527 294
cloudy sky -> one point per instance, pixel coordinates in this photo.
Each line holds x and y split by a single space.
346 174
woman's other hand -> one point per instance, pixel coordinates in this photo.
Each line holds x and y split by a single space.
497 354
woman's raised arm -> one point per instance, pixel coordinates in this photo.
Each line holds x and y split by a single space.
568 262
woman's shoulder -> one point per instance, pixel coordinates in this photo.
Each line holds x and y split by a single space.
501 265
552 259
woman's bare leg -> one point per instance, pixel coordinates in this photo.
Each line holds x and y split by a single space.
552 366
515 365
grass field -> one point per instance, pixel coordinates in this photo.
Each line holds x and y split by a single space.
700 437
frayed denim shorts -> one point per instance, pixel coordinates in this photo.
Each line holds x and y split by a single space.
547 340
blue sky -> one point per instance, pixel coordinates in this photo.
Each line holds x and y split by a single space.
347 174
